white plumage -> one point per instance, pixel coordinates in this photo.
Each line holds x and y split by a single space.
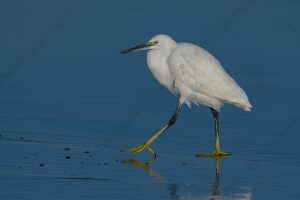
194 74
196 77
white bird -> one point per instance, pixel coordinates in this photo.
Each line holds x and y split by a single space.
194 75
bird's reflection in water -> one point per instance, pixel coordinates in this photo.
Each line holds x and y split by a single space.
216 186
145 166
216 195
173 188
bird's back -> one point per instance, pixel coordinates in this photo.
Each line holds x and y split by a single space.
196 71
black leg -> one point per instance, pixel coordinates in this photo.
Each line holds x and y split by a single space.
146 145
173 119
217 152
216 121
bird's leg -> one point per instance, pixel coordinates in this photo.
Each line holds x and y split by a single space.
147 145
218 151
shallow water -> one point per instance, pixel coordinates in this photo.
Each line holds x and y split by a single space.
70 105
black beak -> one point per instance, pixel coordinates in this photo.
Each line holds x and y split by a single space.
141 46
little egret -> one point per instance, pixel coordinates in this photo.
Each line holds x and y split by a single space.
194 75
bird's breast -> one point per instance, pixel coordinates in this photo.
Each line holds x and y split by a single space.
160 70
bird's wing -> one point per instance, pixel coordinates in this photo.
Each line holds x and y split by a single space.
202 73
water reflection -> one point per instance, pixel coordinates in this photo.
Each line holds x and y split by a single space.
216 188
173 188
146 166
216 194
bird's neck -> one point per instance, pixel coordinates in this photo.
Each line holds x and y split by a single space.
157 63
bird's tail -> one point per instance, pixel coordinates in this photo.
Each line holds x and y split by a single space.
247 108
245 104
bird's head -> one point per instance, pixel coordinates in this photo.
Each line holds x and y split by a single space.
158 42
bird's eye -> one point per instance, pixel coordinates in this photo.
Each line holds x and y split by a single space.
155 42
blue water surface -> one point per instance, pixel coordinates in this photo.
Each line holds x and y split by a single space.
69 101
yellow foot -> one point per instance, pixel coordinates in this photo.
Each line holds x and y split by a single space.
139 149
213 154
